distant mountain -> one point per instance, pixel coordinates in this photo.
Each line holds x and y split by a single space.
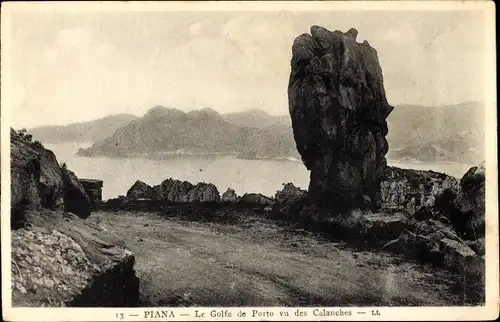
90 131
272 141
256 118
168 130
443 133
416 133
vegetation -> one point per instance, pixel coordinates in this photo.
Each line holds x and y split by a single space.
23 134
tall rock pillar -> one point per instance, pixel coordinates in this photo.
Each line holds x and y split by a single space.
338 109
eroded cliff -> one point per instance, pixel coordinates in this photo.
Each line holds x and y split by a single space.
58 258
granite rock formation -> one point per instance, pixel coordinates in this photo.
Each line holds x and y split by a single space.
465 206
256 199
37 181
141 190
438 242
203 192
50 186
473 197
289 200
410 190
229 196
25 177
76 199
338 110
59 259
62 260
177 191
36 177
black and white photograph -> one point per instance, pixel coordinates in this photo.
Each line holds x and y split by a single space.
244 156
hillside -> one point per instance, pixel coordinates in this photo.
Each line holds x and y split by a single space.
444 133
256 118
90 131
272 141
164 129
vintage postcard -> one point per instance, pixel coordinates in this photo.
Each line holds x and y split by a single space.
260 161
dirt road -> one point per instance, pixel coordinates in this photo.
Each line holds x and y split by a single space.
255 261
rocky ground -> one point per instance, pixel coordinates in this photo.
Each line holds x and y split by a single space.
201 256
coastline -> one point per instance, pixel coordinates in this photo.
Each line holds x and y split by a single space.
237 155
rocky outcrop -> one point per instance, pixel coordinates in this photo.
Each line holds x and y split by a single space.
229 196
289 200
203 192
256 199
438 242
472 201
338 108
477 245
62 260
141 190
432 195
409 190
25 177
177 191
36 178
59 259
39 182
420 219
76 200
50 186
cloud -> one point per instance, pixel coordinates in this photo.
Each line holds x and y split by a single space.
245 65
230 61
66 78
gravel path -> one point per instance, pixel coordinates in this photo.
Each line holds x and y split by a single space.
259 262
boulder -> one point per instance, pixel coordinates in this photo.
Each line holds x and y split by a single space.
474 177
141 190
62 260
458 256
385 226
75 198
175 190
373 228
339 109
473 195
289 200
429 194
463 203
410 190
438 242
229 196
256 199
203 192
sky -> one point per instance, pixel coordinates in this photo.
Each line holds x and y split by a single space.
70 67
